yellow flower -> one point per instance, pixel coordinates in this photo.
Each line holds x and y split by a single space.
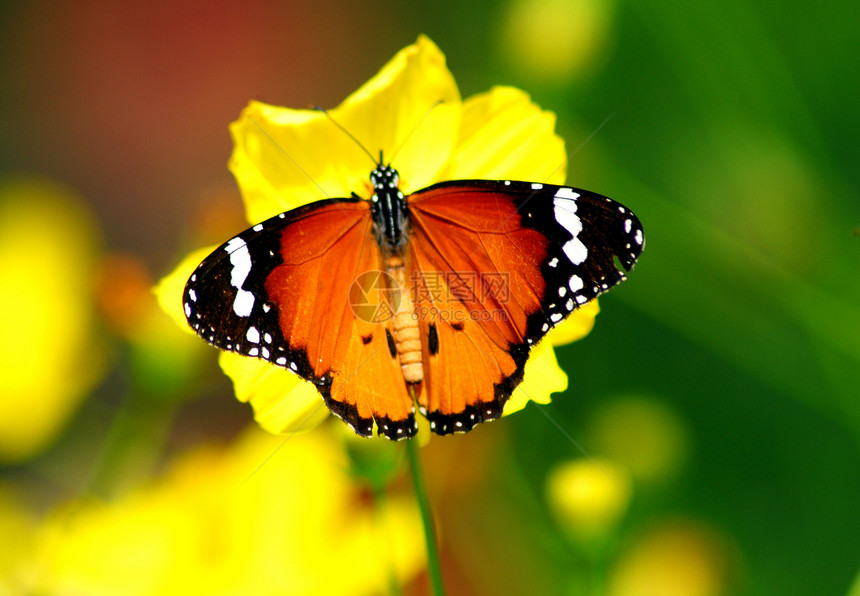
579 30
588 497
676 558
50 356
18 527
500 134
644 435
257 517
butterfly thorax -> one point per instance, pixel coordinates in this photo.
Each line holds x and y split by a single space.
390 218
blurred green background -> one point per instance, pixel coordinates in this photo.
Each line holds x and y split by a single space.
723 377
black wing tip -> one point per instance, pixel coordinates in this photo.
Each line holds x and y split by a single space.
628 242
634 243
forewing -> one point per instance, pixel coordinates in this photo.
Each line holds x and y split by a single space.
496 265
280 291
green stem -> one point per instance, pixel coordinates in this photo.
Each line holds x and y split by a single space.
434 569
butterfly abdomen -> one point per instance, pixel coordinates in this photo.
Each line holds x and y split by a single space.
407 338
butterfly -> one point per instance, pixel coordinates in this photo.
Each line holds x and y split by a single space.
431 300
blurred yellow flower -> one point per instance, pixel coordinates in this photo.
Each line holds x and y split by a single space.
553 41
588 497
643 434
246 519
676 558
18 528
51 356
494 135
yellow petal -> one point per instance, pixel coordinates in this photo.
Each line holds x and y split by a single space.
285 158
169 290
543 377
576 326
282 401
504 136
394 111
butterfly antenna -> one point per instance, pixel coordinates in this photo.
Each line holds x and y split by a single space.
581 145
288 156
415 128
347 133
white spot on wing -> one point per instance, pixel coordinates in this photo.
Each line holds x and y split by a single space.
575 283
536 186
240 258
575 251
244 303
565 215
253 335
566 193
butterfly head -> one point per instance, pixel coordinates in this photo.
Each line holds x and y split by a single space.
384 179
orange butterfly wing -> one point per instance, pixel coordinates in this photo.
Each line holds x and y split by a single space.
492 267
292 308
496 265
